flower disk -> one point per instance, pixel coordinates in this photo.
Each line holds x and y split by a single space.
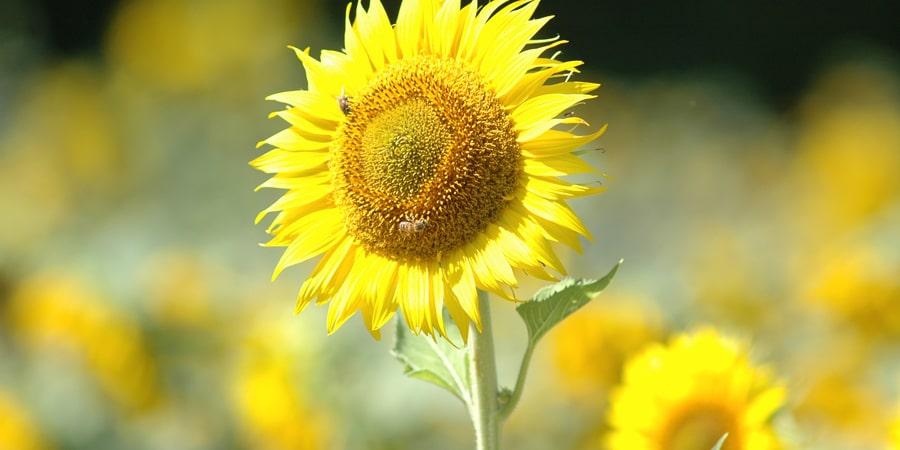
425 142
422 163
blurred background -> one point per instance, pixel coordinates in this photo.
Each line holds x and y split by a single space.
755 152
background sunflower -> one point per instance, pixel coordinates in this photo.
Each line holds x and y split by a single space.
689 393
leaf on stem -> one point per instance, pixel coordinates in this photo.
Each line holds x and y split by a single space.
434 360
552 304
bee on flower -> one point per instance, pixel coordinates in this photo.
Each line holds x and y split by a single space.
414 226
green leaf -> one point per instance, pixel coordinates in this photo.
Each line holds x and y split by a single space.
721 442
434 360
552 304
548 307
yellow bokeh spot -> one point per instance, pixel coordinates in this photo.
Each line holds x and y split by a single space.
591 347
849 147
59 314
63 147
268 390
17 430
180 46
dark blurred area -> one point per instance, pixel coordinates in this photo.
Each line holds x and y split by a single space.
778 45
70 27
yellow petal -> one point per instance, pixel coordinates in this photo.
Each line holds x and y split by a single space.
446 20
524 241
375 34
333 266
384 283
306 199
414 289
504 35
555 189
410 28
555 211
278 160
288 182
437 297
507 79
316 233
318 78
315 106
461 279
311 128
492 272
555 142
537 111
291 139
533 80
567 88
557 166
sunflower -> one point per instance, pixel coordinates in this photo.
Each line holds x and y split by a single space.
422 163
688 394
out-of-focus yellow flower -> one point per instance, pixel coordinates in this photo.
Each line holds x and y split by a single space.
66 113
272 408
17 432
838 401
848 148
686 395
725 280
858 285
591 347
422 163
894 431
178 288
61 151
181 46
58 313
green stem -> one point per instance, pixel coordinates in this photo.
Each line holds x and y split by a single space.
510 405
483 375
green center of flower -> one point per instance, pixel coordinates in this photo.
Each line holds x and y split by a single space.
403 147
426 158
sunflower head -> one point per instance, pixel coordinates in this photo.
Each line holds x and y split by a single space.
688 394
422 163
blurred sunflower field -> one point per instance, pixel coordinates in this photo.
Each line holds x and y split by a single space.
754 157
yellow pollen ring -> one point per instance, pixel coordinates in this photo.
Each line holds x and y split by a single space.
426 142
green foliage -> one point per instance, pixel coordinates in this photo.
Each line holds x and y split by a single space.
436 361
552 304
439 362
